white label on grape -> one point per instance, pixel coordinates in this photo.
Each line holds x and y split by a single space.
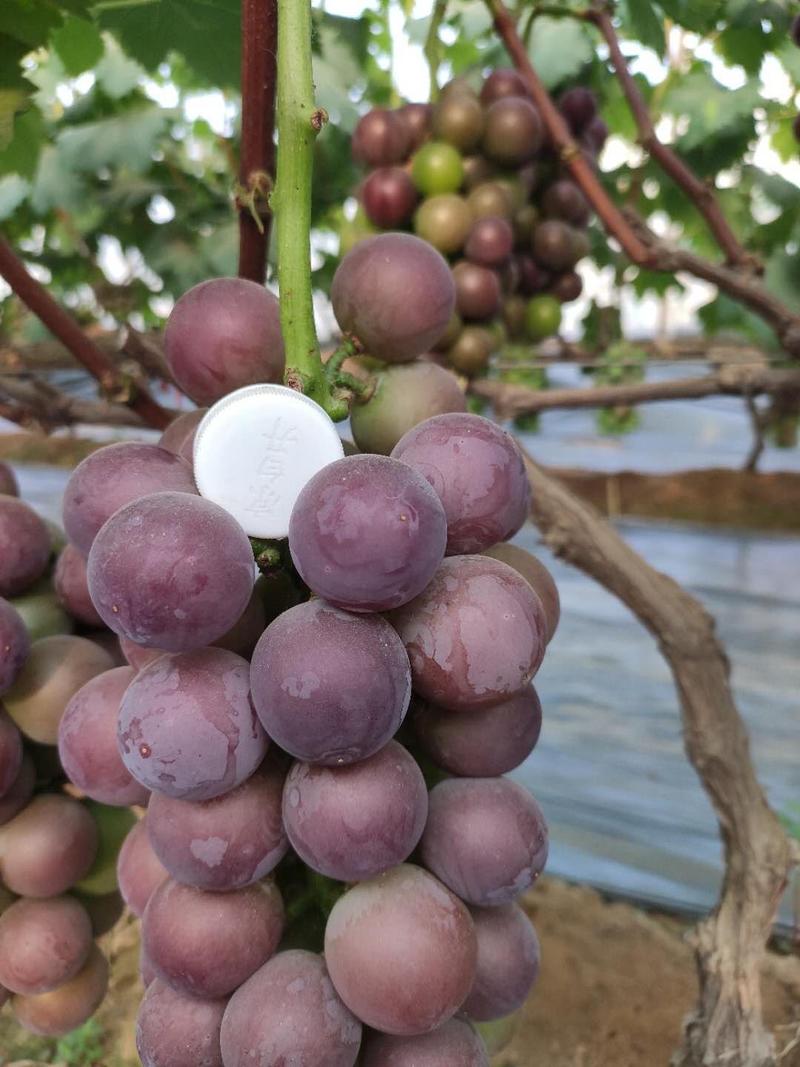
256 449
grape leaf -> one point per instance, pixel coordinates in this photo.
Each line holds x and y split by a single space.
559 49
13 191
21 154
79 45
205 32
126 140
645 22
116 73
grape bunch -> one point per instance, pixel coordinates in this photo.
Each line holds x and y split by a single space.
476 176
58 846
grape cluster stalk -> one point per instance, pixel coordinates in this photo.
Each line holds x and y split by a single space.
476 176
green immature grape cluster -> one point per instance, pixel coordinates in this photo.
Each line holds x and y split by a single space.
58 848
476 177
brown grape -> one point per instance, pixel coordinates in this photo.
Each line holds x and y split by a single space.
25 545
48 847
508 962
43 943
66 1008
381 138
139 870
176 1030
536 575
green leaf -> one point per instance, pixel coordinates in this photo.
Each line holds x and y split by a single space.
205 32
559 49
335 74
784 141
79 45
13 191
21 154
56 185
127 140
721 121
645 21
116 74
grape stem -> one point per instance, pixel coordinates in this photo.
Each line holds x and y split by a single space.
299 122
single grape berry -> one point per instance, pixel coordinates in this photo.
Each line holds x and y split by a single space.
437 168
222 335
508 962
514 131
395 294
25 546
416 118
454 1042
14 643
478 294
490 241
500 83
367 533
381 138
389 197
459 120
542 317
578 106
444 221
478 473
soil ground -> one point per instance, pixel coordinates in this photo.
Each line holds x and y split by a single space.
615 986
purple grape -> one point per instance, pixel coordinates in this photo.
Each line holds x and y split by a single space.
171 571
486 838
478 473
115 476
380 138
330 687
43 943
187 727
536 575
475 636
351 823
401 951
54 671
207 944
72 589
501 83
15 646
66 1008
139 870
19 792
289 1013
8 481
508 962
25 546
48 847
223 334
484 742
367 533
175 1030
10 752
578 105
455 1042
395 293
225 843
179 435
87 741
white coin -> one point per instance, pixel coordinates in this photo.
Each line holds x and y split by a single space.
256 449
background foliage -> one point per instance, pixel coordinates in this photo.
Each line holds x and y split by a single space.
106 156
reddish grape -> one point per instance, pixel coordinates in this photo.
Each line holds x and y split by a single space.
139 870
19 792
171 571
351 823
478 294
508 962
567 287
224 843
478 473
404 396
187 727
380 138
484 742
501 83
66 1008
536 575
330 687
455 1042
179 435
8 481
48 847
486 838
401 951
289 1013
395 294
87 741
222 335
578 105
10 752
176 1030
554 245
490 241
43 943
595 135
54 671
71 587
114 476
389 197
25 544
207 944
367 533
15 645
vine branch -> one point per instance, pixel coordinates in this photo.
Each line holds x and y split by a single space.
257 151
699 192
115 385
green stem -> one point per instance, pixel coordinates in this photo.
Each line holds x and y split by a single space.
432 47
299 122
